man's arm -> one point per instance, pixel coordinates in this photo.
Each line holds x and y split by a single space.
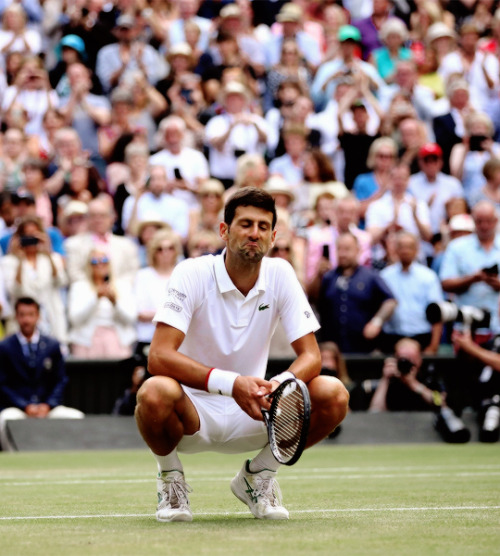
308 363
373 328
165 360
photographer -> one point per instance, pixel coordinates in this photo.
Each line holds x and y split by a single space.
487 386
406 386
470 264
33 269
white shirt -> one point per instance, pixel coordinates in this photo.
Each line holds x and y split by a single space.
226 329
166 208
149 288
242 137
192 165
436 194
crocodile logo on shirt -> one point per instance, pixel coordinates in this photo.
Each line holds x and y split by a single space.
263 307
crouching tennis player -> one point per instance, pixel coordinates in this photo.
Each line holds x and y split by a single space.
209 357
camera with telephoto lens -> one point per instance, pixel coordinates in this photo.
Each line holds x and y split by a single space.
468 315
404 365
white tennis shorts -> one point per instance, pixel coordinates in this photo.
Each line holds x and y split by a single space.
224 427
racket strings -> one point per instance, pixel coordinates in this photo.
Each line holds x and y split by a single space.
288 423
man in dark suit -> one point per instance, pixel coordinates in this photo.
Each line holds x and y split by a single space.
32 373
449 128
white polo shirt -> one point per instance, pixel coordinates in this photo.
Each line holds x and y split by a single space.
225 329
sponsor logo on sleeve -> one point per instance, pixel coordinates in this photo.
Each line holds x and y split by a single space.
176 294
173 306
307 314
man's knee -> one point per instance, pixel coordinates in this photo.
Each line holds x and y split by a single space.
158 394
329 395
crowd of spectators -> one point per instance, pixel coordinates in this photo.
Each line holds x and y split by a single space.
125 125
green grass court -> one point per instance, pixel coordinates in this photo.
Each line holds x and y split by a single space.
350 500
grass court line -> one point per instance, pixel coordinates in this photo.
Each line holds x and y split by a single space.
285 477
320 512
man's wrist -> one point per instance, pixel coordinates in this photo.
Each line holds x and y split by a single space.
377 321
220 382
286 375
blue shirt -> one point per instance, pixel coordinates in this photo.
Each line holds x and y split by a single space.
347 304
464 256
414 289
365 186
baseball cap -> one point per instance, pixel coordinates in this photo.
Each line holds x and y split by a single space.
231 10
125 20
462 223
289 12
349 32
430 149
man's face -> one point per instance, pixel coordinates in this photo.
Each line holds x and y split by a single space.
347 252
486 222
100 219
157 181
345 214
27 317
431 165
250 235
406 249
399 179
173 136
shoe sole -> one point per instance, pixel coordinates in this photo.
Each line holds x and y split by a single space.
176 517
241 499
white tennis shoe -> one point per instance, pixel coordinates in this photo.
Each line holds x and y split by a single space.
173 502
260 492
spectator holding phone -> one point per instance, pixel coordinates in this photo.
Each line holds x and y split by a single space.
32 269
102 312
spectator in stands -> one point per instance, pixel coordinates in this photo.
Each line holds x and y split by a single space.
432 186
407 386
207 216
464 260
32 374
122 252
291 17
290 68
155 198
373 185
74 218
356 143
398 210
84 111
480 69
406 81
102 312
125 404
291 164
491 189
415 286
346 64
467 158
353 301
413 136
129 53
32 91
441 39
393 33
13 156
15 36
231 134
449 128
370 27
186 168
204 242
321 239
150 285
187 12
333 363
133 178
32 269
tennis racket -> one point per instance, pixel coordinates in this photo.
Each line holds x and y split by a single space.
287 420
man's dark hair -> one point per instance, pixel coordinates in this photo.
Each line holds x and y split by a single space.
249 197
27 301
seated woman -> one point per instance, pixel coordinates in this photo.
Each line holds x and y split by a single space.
150 285
102 313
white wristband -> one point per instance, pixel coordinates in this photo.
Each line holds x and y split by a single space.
221 382
377 321
283 376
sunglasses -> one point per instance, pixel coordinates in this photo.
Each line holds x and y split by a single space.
165 249
97 260
281 248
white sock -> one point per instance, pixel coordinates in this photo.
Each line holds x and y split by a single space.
170 462
264 460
